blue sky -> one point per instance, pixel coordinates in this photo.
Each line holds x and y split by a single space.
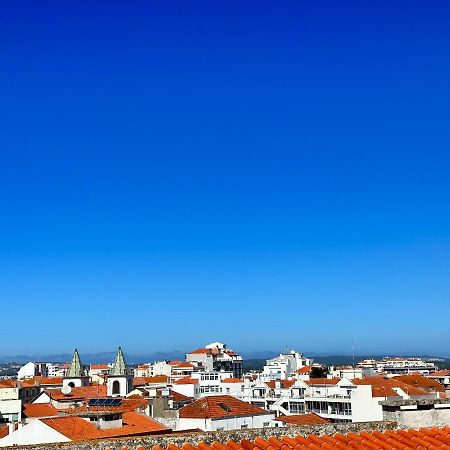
260 173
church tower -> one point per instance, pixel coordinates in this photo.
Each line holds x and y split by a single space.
76 376
119 382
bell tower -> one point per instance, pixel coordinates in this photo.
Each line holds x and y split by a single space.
120 381
76 376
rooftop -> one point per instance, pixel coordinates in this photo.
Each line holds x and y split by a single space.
424 438
219 406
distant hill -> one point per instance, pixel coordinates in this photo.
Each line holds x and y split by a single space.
89 358
252 361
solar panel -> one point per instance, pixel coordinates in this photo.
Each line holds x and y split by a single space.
104 402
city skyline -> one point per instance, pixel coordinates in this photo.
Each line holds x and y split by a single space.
256 174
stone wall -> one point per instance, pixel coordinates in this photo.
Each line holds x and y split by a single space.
194 439
418 419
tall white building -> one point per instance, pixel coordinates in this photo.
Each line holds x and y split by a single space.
284 365
216 357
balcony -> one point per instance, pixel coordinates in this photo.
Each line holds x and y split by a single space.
327 396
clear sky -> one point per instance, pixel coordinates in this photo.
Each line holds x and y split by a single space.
259 173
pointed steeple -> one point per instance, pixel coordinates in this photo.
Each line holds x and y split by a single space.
76 368
120 366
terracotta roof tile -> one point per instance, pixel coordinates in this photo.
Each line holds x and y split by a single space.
322 381
303 419
186 380
177 397
232 380
306 369
439 373
73 427
99 367
217 406
385 387
284 384
78 393
49 380
424 438
157 379
421 382
135 424
77 429
39 410
4 431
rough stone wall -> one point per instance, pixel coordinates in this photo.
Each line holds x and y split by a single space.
194 439
419 418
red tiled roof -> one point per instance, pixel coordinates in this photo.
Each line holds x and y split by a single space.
439 373
177 397
99 367
78 393
303 419
284 384
209 351
424 438
4 431
8 383
135 424
384 387
218 406
126 405
421 382
232 380
322 381
73 427
157 379
49 380
39 410
186 380
214 351
305 369
180 364
77 429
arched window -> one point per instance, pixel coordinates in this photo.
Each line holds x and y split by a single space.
72 384
116 387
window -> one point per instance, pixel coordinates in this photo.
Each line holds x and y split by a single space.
244 426
266 424
116 387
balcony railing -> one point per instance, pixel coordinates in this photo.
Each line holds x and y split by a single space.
329 412
334 396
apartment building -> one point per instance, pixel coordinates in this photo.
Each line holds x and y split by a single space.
216 357
284 366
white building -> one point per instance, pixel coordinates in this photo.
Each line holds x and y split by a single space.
32 369
108 424
98 370
349 372
405 366
340 400
222 412
202 384
284 365
216 357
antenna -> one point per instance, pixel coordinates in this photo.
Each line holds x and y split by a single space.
353 353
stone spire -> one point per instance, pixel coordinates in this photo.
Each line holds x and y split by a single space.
120 366
76 368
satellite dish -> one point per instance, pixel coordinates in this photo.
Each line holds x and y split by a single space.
66 390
